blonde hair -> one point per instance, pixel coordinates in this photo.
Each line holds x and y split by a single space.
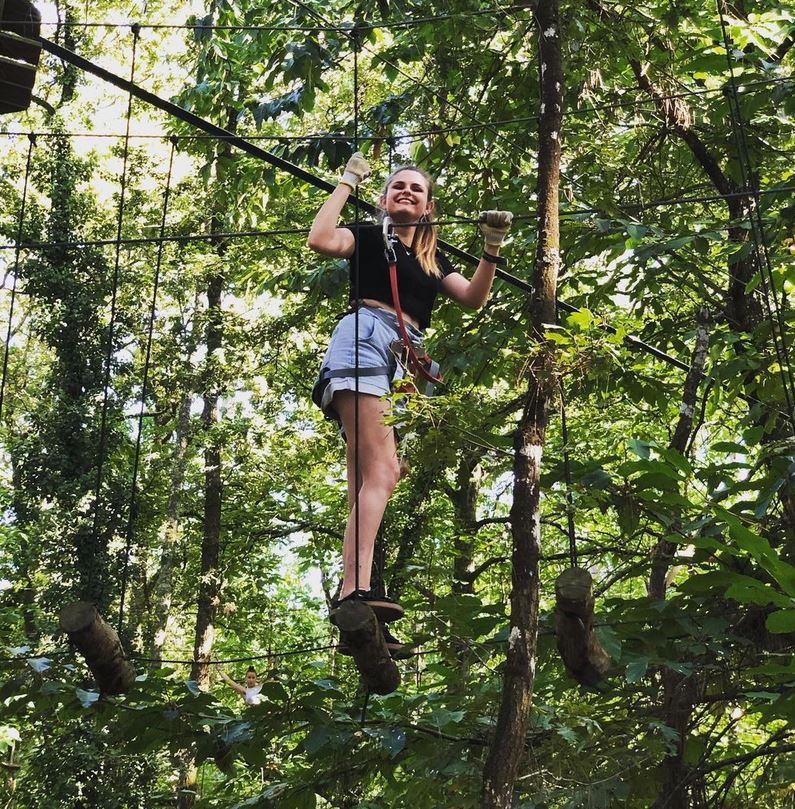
425 242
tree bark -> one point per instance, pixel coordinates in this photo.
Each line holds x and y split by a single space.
465 499
507 748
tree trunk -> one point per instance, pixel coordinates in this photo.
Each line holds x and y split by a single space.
679 690
99 644
507 749
465 499
210 569
160 600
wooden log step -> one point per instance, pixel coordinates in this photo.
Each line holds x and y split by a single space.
359 626
582 654
99 644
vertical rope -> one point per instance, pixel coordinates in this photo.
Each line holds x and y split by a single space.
356 460
567 475
15 271
761 253
103 429
132 511
364 706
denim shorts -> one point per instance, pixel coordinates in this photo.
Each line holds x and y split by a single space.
378 363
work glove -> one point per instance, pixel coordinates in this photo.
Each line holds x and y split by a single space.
494 225
357 170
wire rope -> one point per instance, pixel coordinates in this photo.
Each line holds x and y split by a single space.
133 504
330 27
412 135
103 430
355 42
761 253
15 271
566 214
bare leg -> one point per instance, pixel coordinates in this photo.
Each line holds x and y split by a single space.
379 473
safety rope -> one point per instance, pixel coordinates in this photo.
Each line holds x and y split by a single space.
567 477
15 270
355 42
132 510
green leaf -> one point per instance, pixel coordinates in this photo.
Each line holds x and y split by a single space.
729 447
781 622
636 670
609 640
641 448
393 740
39 664
695 746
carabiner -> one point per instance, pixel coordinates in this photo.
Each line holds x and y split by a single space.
388 232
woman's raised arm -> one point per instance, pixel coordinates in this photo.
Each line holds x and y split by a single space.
324 236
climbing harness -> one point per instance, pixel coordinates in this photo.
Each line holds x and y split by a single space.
421 367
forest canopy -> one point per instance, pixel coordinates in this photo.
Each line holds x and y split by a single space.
160 456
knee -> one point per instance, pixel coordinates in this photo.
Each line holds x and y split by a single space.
385 475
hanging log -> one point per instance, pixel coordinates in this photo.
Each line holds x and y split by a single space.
99 644
20 50
582 654
359 627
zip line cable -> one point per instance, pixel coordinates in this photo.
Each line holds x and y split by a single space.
15 271
341 28
103 430
133 504
571 214
274 160
413 135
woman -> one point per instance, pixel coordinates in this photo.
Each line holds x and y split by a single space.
423 271
251 691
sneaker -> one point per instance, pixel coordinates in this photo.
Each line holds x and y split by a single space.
385 609
397 649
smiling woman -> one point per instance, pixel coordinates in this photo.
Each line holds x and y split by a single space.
361 364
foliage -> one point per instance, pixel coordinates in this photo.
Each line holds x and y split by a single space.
468 83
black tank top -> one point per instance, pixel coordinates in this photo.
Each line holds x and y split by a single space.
417 289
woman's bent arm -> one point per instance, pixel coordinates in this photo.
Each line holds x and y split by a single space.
231 683
471 294
324 236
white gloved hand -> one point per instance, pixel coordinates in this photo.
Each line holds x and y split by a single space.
357 170
494 225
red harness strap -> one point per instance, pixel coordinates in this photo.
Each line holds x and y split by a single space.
417 365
